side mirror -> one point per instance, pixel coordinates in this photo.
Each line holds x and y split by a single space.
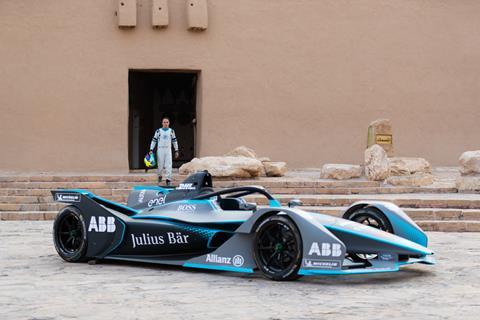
294 202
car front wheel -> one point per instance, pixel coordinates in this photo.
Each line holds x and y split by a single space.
278 248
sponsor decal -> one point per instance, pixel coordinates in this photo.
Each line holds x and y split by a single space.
102 224
325 249
141 195
146 239
323 264
156 202
67 197
186 186
187 208
237 260
383 139
386 257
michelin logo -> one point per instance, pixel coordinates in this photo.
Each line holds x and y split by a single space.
322 264
67 197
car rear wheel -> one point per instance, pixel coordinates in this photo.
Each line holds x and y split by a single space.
70 234
371 217
278 248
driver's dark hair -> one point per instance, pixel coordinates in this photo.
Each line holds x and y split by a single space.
163 118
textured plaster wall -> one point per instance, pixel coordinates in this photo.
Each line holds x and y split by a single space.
295 80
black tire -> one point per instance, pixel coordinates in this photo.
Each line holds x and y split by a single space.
278 248
374 218
70 235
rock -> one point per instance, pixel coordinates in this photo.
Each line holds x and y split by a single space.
415 180
340 171
235 167
242 151
404 166
466 183
376 163
264 159
380 132
263 172
275 169
470 162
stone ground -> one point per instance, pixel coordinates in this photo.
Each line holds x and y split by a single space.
36 284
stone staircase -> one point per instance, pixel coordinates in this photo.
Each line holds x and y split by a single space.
435 208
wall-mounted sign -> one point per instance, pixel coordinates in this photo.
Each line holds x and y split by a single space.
383 139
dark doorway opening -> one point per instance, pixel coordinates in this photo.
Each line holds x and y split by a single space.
153 95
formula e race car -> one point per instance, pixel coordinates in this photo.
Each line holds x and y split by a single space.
195 226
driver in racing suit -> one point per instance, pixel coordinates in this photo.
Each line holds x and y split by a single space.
164 138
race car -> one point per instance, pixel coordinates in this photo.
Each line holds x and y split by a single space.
195 226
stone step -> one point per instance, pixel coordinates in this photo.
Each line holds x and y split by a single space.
270 183
450 226
31 206
272 186
414 213
28 215
81 178
123 189
152 178
72 185
46 199
429 200
47 192
361 190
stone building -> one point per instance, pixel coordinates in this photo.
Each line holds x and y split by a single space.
296 80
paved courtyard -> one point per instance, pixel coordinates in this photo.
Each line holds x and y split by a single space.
36 284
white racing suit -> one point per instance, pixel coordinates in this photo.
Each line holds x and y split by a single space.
164 138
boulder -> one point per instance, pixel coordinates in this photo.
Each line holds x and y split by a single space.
242 151
405 166
275 169
376 163
340 171
264 159
466 183
380 132
470 162
234 167
414 180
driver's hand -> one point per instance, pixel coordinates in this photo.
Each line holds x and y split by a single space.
176 155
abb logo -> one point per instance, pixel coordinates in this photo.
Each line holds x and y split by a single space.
102 224
326 249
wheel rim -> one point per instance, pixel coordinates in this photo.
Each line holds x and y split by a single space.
69 233
277 247
373 222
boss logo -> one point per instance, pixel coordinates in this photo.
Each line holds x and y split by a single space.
102 224
187 208
325 250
